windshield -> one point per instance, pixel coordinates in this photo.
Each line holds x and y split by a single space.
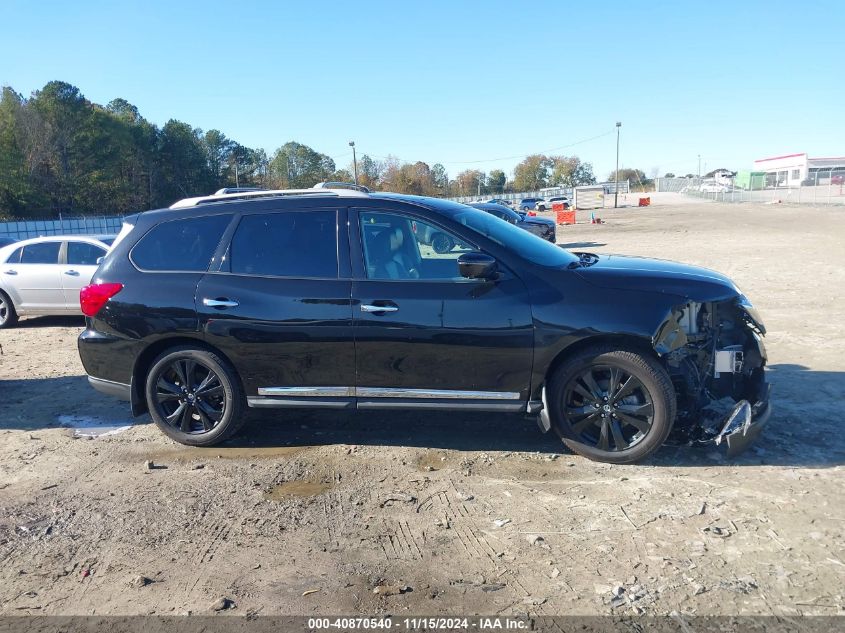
527 245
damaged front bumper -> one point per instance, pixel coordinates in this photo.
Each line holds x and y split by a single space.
743 424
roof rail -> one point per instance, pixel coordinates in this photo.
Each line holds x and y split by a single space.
263 193
341 185
227 190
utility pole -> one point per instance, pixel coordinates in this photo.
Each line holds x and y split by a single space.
616 174
354 160
699 165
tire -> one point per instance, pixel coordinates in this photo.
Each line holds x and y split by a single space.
591 421
441 243
8 316
206 419
541 208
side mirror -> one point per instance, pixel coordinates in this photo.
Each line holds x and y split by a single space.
100 260
477 266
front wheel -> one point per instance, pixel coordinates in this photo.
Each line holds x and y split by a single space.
612 405
8 316
194 396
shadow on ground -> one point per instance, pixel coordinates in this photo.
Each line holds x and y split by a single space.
51 321
802 432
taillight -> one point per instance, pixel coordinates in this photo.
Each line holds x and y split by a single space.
94 297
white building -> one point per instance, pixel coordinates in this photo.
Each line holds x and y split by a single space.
793 169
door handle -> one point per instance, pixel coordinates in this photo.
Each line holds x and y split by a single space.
72 273
220 303
11 272
371 308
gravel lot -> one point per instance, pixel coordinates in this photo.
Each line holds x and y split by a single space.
415 513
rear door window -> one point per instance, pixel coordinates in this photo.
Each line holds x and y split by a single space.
180 245
83 254
300 244
41 253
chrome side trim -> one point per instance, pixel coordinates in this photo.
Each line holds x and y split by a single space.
447 405
387 392
312 392
306 403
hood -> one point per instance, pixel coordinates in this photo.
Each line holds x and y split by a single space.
619 272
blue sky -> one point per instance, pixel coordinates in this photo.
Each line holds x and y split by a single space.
467 84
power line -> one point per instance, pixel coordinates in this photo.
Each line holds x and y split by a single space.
490 160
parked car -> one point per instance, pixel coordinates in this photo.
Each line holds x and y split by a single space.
546 205
5 241
541 227
44 275
528 204
501 201
713 187
326 298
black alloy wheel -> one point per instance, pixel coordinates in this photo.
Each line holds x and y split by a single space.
612 405
194 396
442 243
608 407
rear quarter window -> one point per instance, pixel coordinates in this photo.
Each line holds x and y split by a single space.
180 245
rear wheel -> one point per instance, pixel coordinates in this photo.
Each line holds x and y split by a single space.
612 405
8 316
194 396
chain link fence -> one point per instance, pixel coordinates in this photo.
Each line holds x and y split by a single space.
549 192
821 187
89 225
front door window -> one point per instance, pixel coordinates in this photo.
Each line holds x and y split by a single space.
399 247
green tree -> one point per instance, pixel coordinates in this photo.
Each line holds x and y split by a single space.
636 177
496 181
570 171
369 172
182 163
440 180
16 191
668 174
297 166
469 181
532 173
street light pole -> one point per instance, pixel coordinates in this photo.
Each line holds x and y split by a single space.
699 165
616 185
354 160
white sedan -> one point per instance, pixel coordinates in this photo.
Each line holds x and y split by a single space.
44 275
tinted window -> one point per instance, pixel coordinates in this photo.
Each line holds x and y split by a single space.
398 247
15 257
43 253
185 245
523 243
286 244
83 254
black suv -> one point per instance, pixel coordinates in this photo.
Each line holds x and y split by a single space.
327 297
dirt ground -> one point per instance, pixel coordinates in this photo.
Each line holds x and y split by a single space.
434 513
